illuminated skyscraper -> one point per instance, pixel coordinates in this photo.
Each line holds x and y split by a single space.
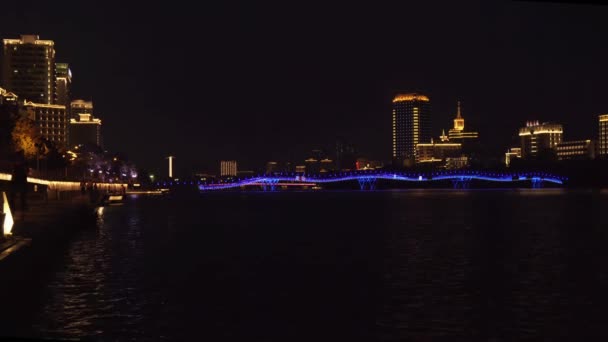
411 125
28 68
63 80
603 138
537 137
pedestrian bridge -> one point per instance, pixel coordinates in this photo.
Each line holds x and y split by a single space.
367 180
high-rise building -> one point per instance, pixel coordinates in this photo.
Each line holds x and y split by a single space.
51 120
28 68
580 149
536 138
228 168
411 125
85 129
603 136
63 80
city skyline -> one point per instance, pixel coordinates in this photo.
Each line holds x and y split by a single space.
268 95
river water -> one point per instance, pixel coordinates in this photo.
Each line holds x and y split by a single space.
343 265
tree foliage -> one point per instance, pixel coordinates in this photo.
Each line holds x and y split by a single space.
25 136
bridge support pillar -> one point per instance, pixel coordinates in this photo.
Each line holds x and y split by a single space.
269 184
367 183
461 183
537 183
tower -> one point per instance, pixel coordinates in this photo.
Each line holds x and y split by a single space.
458 121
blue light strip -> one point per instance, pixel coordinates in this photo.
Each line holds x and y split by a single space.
407 177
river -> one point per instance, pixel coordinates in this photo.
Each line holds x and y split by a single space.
336 265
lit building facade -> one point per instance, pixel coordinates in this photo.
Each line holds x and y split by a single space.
458 134
9 105
513 152
365 164
28 68
63 81
603 136
537 137
411 123
436 152
85 129
51 120
228 168
452 163
9 109
581 149
81 107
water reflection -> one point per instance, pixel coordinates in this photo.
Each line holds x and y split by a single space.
384 265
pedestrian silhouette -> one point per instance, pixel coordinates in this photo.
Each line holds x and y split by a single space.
19 182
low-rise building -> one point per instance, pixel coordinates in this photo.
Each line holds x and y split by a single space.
433 152
513 152
579 149
51 120
228 168
365 164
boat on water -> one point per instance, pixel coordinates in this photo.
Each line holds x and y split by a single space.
112 198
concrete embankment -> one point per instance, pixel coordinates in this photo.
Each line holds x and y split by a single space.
50 224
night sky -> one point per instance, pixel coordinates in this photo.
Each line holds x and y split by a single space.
258 83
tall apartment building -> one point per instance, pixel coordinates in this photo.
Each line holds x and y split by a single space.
28 68
411 123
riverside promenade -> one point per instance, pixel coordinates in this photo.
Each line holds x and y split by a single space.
39 238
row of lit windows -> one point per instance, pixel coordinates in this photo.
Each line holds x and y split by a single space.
567 148
571 153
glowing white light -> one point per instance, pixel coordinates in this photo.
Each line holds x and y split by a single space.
8 218
171 166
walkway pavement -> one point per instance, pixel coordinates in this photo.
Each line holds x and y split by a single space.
46 214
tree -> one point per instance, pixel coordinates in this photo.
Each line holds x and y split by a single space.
25 136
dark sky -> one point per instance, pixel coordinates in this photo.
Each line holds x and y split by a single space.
267 82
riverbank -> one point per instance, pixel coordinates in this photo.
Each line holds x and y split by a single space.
47 227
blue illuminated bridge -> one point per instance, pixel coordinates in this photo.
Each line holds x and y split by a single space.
367 179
